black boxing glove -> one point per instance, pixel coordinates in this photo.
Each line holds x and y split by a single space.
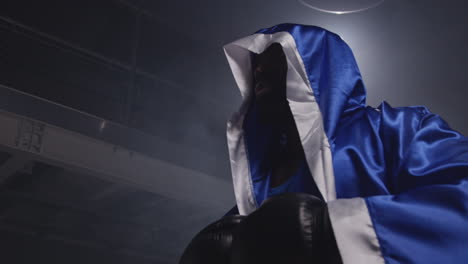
213 243
292 228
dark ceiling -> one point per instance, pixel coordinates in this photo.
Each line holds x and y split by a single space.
158 68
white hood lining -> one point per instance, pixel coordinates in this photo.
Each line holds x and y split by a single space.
304 108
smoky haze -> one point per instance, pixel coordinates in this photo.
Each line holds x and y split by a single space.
409 53
151 76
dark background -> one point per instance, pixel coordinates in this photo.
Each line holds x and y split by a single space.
158 67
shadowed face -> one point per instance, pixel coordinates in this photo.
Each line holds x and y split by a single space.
270 68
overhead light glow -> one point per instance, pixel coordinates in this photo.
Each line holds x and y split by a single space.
340 7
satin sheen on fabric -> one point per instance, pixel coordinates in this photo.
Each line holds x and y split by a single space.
396 179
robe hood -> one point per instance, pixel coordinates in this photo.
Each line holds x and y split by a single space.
323 84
